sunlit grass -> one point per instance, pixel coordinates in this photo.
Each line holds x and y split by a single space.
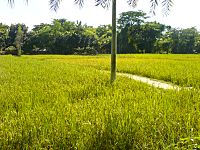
182 70
48 104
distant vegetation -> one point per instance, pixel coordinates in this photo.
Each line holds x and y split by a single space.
135 35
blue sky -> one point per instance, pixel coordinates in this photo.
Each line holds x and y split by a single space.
182 14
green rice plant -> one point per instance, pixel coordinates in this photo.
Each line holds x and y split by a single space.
183 70
48 104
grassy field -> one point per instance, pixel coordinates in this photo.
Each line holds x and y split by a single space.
182 70
65 102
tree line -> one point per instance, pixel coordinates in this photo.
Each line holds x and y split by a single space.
135 34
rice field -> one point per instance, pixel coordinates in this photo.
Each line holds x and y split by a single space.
183 70
67 102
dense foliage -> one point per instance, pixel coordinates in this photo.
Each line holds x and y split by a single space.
135 35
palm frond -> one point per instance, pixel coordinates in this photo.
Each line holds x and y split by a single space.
26 1
166 6
154 3
11 2
103 3
79 2
54 4
132 3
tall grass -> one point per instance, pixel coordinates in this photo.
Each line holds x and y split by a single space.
55 105
183 70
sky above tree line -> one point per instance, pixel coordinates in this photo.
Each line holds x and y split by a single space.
183 14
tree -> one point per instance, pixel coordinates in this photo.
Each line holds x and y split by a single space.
149 33
3 36
17 33
54 4
187 40
104 34
129 27
19 40
38 39
61 37
163 45
136 35
197 44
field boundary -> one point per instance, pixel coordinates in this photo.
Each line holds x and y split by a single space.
154 82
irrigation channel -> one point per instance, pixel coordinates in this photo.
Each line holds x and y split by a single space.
154 82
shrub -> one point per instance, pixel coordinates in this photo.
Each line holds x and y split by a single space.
85 51
11 50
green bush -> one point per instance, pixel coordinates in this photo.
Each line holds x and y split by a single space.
85 51
2 52
11 50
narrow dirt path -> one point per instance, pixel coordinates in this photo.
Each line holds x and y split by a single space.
154 82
